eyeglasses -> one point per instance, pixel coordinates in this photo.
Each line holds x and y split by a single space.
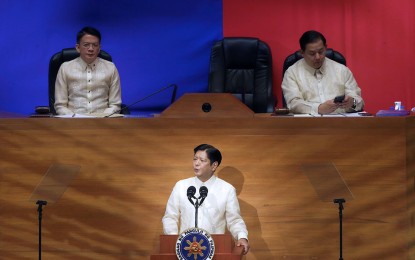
87 45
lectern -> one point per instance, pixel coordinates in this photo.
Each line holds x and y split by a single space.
224 248
202 105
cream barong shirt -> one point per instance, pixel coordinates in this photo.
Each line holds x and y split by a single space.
219 210
83 88
304 91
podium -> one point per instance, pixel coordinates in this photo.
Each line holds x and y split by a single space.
224 248
202 105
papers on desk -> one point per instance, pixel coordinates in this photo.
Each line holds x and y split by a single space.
94 115
357 114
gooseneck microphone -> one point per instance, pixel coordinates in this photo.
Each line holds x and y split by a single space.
203 192
173 98
191 194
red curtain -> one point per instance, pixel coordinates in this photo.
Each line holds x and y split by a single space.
376 37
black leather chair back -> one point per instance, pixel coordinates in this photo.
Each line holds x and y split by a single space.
296 56
243 66
54 65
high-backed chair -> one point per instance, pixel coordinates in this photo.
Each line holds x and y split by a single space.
296 56
55 63
243 66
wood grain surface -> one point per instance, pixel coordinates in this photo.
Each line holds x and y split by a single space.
113 207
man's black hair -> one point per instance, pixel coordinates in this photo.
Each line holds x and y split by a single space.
88 30
213 153
311 37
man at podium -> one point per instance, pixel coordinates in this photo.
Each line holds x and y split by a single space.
218 210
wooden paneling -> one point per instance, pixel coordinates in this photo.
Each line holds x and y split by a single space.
114 206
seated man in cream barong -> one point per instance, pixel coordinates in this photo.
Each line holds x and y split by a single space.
87 84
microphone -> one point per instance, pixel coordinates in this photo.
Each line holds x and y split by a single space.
203 191
191 193
173 98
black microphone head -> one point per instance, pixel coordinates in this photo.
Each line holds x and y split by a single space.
203 191
191 191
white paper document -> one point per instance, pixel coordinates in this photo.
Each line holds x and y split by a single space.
356 114
95 115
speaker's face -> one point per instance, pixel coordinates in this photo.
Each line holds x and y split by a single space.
88 48
202 167
314 54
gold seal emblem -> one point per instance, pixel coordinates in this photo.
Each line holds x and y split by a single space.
195 244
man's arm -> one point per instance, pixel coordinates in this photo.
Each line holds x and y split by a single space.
171 216
353 92
234 221
294 97
61 93
114 95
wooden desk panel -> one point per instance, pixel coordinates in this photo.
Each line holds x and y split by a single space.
114 206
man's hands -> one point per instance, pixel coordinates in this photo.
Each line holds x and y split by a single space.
243 242
329 106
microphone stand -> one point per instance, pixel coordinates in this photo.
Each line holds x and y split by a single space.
39 210
197 210
144 98
340 202
197 205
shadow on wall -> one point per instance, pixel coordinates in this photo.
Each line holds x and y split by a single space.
259 247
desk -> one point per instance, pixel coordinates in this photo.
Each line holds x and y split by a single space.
113 208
